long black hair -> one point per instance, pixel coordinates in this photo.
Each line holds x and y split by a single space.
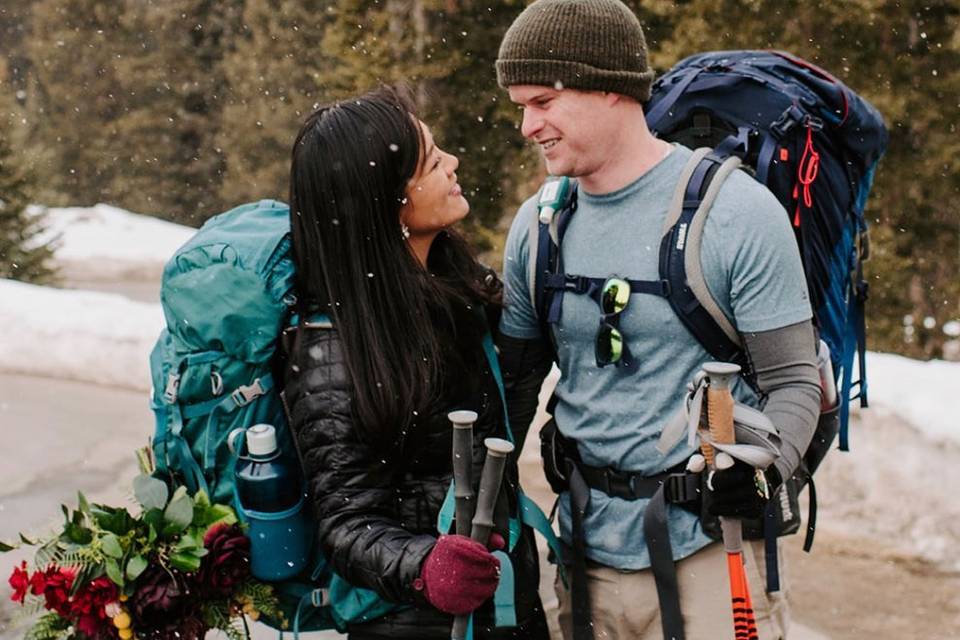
351 164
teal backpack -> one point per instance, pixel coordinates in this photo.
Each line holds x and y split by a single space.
226 295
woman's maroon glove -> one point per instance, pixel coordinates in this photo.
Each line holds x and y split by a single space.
458 575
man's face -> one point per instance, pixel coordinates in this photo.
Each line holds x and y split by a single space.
569 126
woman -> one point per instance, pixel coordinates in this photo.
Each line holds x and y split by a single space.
372 198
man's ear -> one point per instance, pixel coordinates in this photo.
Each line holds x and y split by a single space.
611 98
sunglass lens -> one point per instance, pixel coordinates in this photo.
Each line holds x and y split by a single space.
609 346
615 295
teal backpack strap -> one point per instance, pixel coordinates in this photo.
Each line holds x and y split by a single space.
491 352
447 509
316 599
179 454
534 517
504 607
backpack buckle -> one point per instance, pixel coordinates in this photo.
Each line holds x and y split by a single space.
245 394
678 489
813 122
173 386
787 121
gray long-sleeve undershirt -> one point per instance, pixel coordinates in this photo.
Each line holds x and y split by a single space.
785 362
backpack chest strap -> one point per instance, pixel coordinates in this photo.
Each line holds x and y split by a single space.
558 283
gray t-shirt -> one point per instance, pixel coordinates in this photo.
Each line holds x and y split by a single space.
753 270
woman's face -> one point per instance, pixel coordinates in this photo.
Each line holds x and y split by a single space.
434 200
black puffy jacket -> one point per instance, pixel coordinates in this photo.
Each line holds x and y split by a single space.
377 512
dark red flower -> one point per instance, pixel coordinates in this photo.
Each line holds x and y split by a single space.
87 607
56 583
161 596
37 583
19 582
228 562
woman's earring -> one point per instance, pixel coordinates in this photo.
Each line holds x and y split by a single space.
405 231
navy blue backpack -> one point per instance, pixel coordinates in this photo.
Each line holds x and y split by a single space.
815 144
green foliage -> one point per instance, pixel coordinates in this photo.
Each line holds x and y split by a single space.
99 540
187 107
274 71
22 257
49 626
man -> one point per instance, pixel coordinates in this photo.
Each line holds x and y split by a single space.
578 69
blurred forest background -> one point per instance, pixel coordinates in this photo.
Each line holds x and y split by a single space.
183 108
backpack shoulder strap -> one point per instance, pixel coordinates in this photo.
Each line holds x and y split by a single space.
690 298
555 206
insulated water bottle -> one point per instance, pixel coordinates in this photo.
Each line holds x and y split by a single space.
271 501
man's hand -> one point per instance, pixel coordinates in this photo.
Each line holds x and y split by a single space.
740 491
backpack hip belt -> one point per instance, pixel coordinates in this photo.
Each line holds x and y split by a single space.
567 472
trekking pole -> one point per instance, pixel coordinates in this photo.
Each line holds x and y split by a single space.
490 479
720 418
463 468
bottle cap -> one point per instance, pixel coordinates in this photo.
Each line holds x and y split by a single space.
261 440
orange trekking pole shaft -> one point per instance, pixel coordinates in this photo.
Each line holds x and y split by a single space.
720 419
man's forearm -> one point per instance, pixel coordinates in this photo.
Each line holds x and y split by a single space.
525 364
786 366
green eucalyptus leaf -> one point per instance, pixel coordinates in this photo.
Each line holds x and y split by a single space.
111 546
77 534
135 567
84 506
150 492
112 519
185 561
180 511
154 518
187 541
151 533
200 498
223 513
178 493
113 572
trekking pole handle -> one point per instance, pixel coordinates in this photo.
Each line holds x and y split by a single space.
463 468
490 480
720 416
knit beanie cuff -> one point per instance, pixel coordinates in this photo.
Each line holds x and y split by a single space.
574 75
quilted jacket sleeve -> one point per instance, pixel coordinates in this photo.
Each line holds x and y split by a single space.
352 487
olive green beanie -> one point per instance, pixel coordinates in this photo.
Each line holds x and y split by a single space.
592 45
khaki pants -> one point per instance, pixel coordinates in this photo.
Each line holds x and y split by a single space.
625 607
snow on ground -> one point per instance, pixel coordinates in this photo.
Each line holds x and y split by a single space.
106 242
77 335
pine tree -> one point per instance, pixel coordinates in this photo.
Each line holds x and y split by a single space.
21 257
132 100
274 76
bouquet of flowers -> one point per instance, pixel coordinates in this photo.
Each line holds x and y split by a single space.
178 569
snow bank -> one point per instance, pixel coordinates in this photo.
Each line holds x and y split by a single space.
920 392
107 243
77 335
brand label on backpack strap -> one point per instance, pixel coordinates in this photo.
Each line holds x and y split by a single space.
681 236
